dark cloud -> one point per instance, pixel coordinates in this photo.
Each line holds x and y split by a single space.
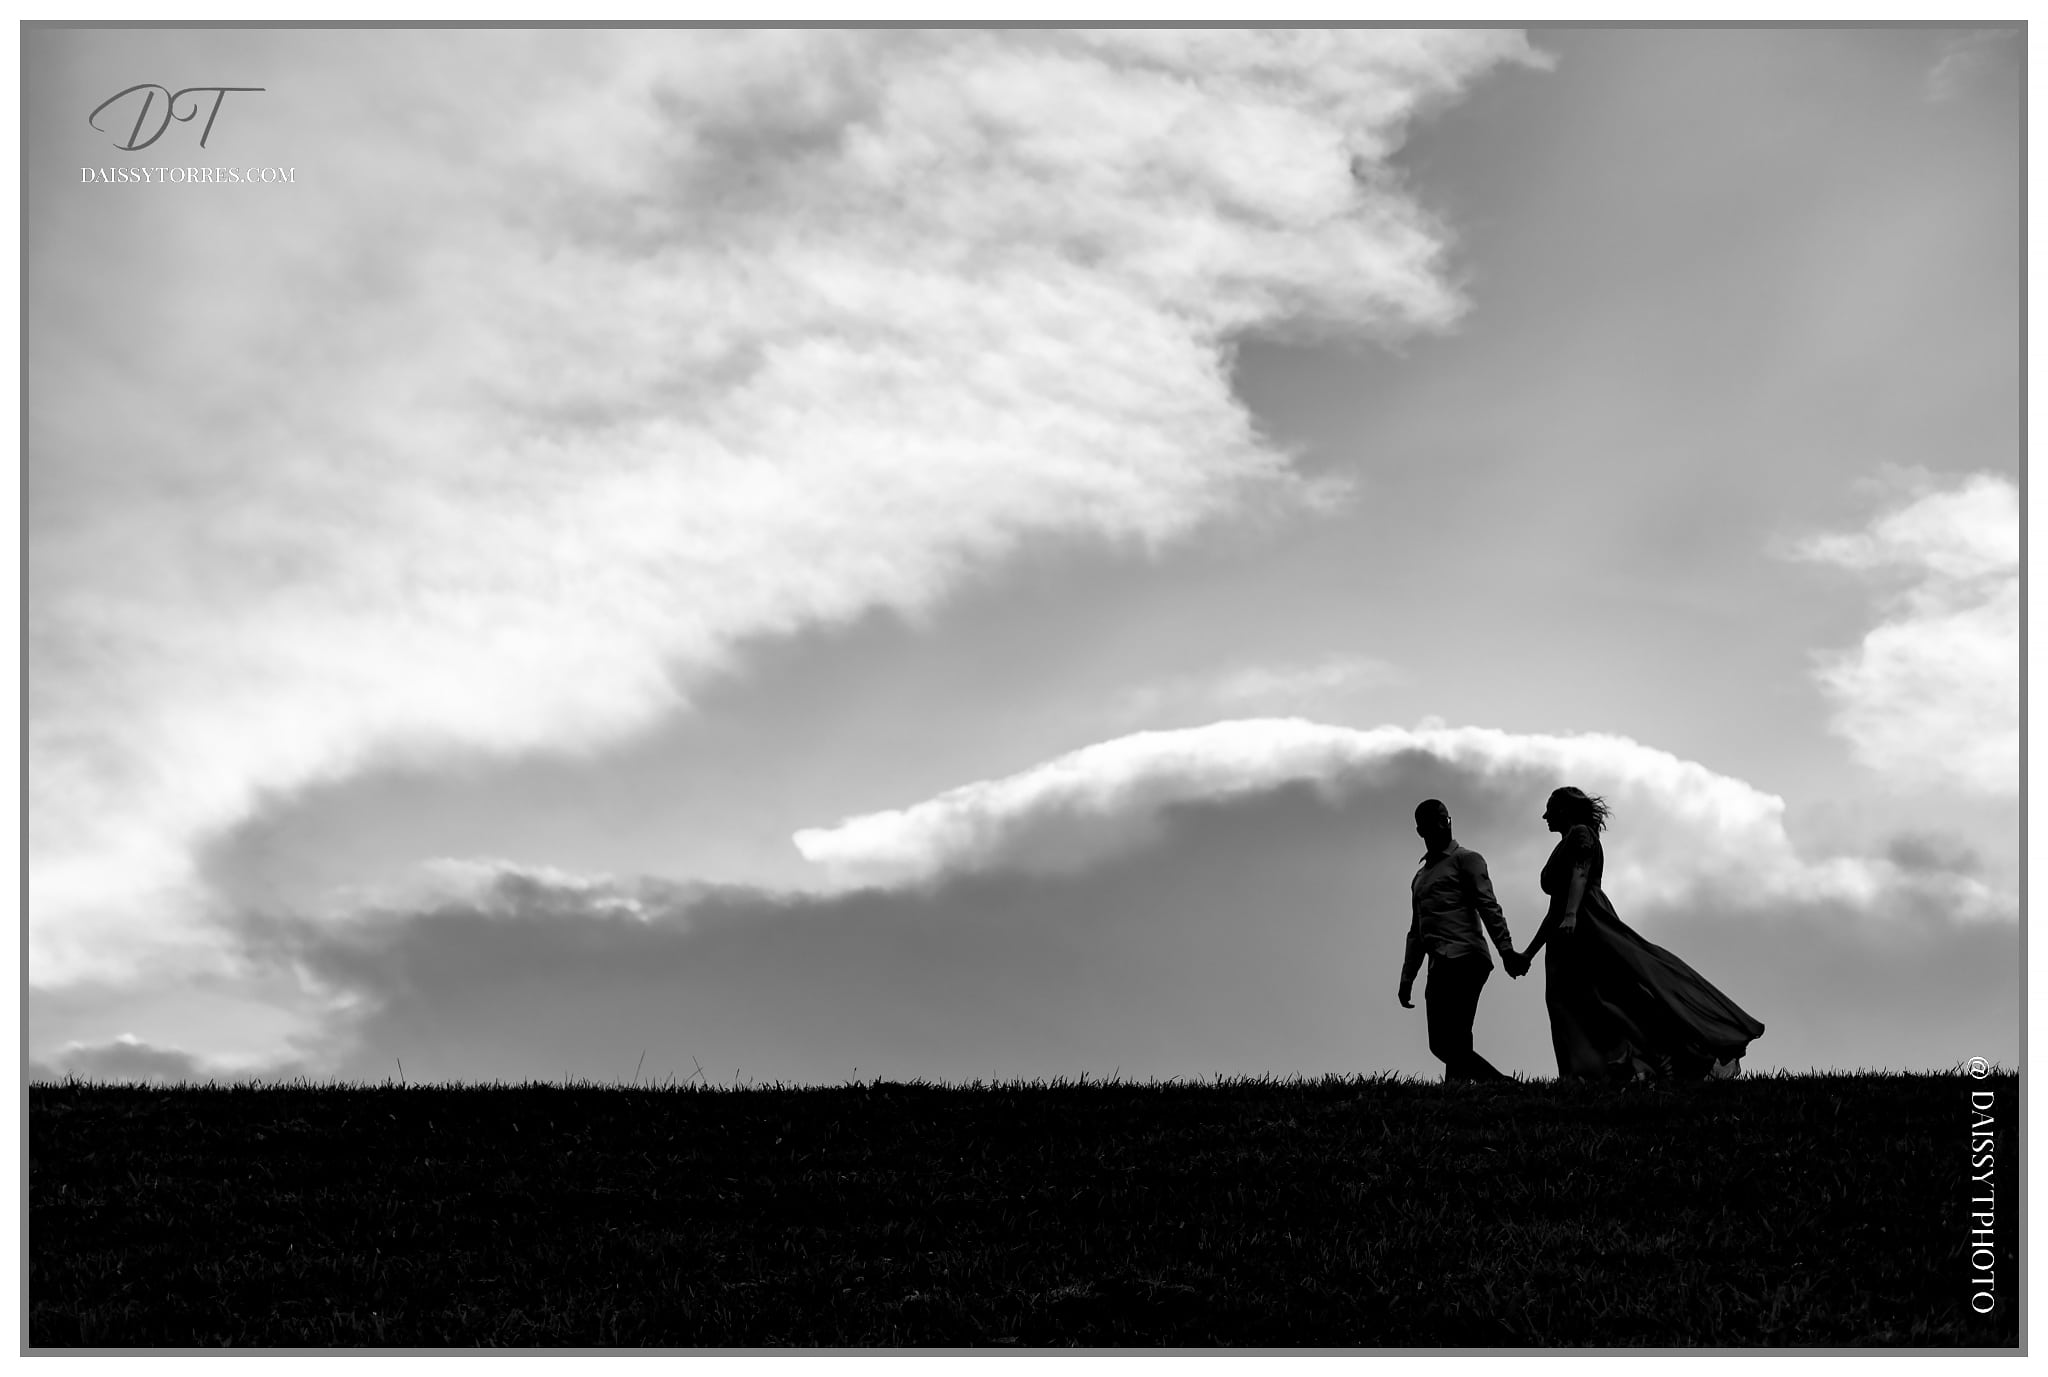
1935 853
1835 992
1259 934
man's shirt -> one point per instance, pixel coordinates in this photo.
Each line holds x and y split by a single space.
1452 894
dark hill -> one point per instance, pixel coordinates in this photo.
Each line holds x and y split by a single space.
1775 1211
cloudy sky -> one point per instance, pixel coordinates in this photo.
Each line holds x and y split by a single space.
954 554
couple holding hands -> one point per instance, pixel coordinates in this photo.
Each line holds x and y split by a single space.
1620 1008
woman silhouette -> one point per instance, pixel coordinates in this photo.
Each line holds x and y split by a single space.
1620 1007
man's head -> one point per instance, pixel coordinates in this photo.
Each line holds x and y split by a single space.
1433 823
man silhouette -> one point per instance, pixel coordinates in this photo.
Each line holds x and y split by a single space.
1451 896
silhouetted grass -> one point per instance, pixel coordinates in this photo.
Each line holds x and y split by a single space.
1788 1211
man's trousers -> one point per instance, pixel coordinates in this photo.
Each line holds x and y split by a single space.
1452 1001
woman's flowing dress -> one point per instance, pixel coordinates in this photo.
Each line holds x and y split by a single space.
1621 1006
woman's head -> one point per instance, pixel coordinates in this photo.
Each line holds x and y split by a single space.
1569 808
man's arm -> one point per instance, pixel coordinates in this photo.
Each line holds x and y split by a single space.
1411 959
1479 892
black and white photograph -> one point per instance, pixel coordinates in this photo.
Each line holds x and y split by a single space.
989 688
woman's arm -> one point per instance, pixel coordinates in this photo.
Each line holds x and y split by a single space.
1564 911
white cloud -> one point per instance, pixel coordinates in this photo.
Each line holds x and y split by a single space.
1965 60
1689 831
1931 695
572 361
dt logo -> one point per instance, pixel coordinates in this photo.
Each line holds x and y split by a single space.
170 112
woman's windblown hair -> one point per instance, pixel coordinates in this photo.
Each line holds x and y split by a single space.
1579 807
